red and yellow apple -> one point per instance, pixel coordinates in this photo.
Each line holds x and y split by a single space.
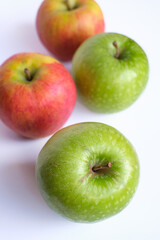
37 94
63 25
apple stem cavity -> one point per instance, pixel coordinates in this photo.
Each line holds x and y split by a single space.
28 74
102 169
117 55
71 4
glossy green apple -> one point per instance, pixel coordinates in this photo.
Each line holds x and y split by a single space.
110 71
87 172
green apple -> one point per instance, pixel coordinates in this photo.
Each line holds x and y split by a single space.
87 172
110 71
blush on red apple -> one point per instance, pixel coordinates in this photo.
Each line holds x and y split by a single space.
87 172
37 94
63 25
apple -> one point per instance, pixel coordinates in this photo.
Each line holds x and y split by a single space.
87 172
63 25
37 94
110 71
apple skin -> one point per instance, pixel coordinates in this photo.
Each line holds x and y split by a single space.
105 83
62 31
66 180
39 107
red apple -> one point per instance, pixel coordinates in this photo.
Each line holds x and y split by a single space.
63 25
37 94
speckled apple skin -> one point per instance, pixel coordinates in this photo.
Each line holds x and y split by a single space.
39 107
67 183
107 84
62 31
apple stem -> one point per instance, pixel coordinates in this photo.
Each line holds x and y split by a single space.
109 165
70 4
102 169
28 74
117 50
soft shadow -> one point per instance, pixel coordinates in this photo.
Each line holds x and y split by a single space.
81 108
22 193
68 65
7 134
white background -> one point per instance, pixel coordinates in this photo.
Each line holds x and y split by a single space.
23 213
